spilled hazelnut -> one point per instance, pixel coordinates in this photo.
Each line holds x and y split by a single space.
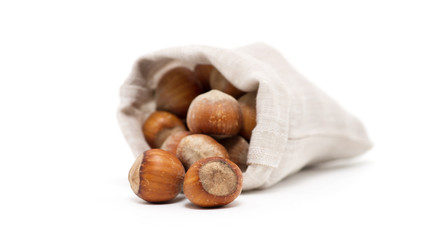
197 146
213 182
176 90
219 82
159 125
156 176
237 148
248 108
214 113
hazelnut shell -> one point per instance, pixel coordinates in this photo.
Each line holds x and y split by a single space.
248 109
156 176
198 146
213 182
237 148
219 82
170 144
159 125
176 90
202 72
214 113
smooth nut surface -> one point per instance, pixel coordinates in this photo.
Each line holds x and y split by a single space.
237 148
214 113
170 144
159 125
156 176
198 146
213 182
176 90
219 82
202 72
248 109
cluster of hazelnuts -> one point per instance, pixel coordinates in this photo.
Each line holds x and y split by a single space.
199 137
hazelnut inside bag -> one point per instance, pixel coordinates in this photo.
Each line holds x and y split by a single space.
297 123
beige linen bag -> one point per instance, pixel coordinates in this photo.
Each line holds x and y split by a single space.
297 124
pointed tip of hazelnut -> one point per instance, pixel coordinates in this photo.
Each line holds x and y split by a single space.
214 113
217 95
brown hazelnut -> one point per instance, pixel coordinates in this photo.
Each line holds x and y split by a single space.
156 176
176 90
213 182
248 108
214 113
159 125
237 148
219 82
202 72
170 144
197 146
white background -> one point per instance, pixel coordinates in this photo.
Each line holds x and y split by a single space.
64 162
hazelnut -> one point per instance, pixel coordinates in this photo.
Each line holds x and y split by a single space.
159 125
202 72
248 108
197 146
219 82
176 90
214 113
170 144
237 148
213 182
156 176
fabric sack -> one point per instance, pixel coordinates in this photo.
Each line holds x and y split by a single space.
297 123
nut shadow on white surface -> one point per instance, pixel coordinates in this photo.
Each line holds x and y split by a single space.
177 199
233 204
